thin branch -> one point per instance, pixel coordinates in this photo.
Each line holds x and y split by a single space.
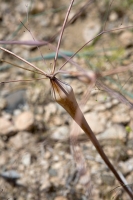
13 54
34 40
117 70
26 42
61 34
72 19
114 94
101 33
20 67
21 80
104 26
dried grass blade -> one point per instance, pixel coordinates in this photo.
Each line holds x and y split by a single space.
114 94
117 70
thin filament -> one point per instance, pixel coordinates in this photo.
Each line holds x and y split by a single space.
34 40
21 80
20 67
107 14
55 87
101 33
33 66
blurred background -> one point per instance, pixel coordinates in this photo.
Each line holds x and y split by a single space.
35 155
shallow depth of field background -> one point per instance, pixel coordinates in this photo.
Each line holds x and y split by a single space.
35 157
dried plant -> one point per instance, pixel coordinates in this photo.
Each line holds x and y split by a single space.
64 95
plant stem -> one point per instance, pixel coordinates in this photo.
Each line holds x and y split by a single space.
61 34
64 96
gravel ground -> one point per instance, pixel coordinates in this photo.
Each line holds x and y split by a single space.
36 161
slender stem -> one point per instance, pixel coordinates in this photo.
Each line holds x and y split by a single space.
117 70
25 42
61 34
101 33
21 80
104 26
28 29
20 67
33 66
114 94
